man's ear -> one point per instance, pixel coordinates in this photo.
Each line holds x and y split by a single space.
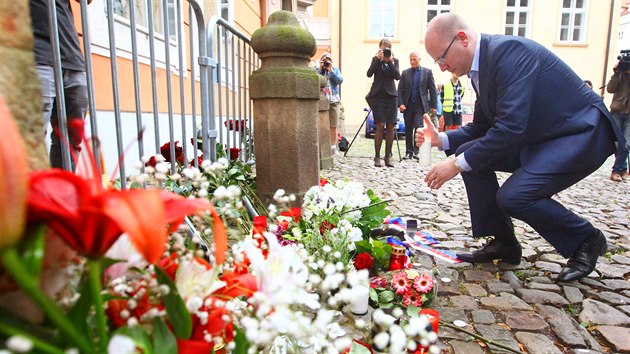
463 37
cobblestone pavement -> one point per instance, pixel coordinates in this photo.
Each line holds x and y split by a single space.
521 306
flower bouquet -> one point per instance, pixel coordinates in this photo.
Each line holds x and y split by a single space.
406 288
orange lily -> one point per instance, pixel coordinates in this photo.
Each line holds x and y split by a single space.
90 218
13 172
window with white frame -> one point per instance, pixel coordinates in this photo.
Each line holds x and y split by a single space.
517 17
436 7
121 10
382 21
573 21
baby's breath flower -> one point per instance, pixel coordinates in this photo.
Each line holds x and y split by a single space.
19 344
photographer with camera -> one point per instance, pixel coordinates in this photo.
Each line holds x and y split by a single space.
619 86
383 99
331 90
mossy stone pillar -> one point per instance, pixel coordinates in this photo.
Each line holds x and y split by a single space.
285 91
325 154
20 82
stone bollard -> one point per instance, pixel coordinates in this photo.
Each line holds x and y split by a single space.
326 160
285 91
20 83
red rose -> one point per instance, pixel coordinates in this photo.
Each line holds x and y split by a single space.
363 261
323 182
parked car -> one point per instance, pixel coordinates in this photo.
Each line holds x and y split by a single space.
370 126
468 110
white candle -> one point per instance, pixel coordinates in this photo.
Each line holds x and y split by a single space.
359 305
425 152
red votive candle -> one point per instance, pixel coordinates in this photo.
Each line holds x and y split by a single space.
398 258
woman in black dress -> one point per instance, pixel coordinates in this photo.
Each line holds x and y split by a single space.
382 99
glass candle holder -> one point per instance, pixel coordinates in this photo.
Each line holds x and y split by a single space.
398 258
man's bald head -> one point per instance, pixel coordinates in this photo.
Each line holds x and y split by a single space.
451 43
445 26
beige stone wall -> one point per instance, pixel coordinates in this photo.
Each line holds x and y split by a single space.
18 77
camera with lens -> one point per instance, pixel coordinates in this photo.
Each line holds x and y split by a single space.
326 64
624 60
387 52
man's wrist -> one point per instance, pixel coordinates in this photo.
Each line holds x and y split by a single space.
457 165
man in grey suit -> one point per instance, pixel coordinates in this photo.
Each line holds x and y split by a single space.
416 96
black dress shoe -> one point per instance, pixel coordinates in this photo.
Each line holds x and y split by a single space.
507 252
408 156
415 157
583 261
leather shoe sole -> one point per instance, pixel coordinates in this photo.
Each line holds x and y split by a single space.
583 261
508 253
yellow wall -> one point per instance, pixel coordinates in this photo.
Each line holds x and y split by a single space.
247 18
487 16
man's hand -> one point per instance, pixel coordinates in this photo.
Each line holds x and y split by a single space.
440 173
430 131
402 107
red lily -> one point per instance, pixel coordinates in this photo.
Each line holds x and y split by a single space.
90 218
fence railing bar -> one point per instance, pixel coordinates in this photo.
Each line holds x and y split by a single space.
169 88
87 49
206 66
180 50
62 118
115 95
193 79
156 120
136 81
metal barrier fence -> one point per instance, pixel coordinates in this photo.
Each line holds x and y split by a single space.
197 86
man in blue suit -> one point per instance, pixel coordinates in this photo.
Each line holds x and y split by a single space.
533 117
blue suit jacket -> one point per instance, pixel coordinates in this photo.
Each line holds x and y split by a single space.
532 103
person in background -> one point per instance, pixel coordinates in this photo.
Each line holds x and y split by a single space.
452 93
382 99
535 118
333 80
438 112
619 86
416 96
73 72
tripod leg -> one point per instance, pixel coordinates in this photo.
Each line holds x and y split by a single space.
357 133
397 144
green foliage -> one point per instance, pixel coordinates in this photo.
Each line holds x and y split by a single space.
380 252
242 344
373 215
175 307
163 338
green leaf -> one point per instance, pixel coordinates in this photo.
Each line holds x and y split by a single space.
413 311
139 336
388 305
81 309
33 249
386 296
163 338
242 344
373 295
176 309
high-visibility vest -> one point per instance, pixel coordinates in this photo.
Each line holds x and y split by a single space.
449 93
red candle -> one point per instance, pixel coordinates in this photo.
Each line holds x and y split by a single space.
398 258
433 316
